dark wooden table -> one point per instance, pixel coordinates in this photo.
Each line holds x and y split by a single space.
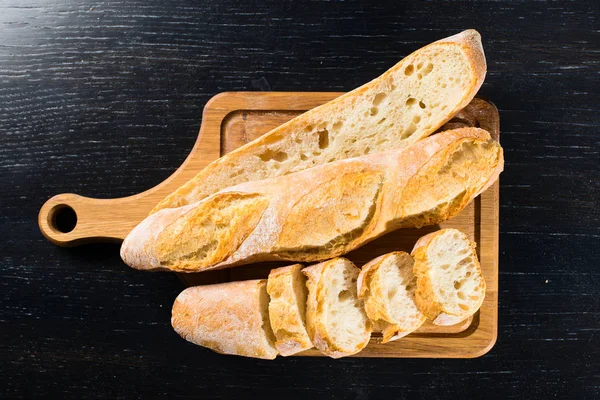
104 99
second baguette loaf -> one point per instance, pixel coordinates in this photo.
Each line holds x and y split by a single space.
408 102
322 212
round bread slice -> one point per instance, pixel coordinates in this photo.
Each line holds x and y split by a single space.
450 284
387 287
335 318
288 292
229 318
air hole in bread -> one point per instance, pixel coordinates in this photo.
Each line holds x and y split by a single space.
461 295
382 120
444 86
278 156
309 128
344 295
409 131
416 119
419 76
463 306
421 104
303 157
392 292
428 69
298 140
411 101
445 266
323 139
367 150
379 97
316 153
457 284
420 65
408 71
337 126
373 111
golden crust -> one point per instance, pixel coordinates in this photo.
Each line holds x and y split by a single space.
229 318
287 309
204 237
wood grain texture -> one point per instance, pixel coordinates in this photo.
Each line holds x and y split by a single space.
104 99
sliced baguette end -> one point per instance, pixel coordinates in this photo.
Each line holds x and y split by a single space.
228 318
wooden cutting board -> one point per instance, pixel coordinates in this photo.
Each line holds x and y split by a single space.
232 119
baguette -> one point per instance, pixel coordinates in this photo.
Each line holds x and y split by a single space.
229 318
407 103
335 318
450 284
322 212
287 308
387 286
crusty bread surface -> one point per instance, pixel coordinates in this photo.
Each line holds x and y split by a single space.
387 286
335 318
229 318
287 309
450 283
322 212
407 103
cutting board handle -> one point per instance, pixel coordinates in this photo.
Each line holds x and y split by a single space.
69 220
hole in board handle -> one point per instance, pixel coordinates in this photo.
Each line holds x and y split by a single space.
62 218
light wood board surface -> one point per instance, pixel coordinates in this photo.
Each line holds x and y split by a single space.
232 119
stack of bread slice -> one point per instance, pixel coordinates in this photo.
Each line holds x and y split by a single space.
320 186
334 306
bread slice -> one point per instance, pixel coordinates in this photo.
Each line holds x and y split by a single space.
387 287
322 212
407 103
450 284
287 308
229 318
335 318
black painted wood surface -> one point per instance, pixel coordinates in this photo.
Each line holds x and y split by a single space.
104 99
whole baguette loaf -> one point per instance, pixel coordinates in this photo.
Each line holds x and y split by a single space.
408 102
322 212
229 318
